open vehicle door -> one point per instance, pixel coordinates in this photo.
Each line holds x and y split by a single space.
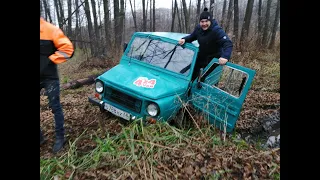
220 92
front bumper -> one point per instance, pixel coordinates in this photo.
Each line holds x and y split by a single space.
96 102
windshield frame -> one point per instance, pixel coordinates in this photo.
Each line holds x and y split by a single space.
190 46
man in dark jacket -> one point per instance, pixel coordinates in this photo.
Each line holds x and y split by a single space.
55 48
213 42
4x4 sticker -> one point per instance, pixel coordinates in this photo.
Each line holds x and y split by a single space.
144 82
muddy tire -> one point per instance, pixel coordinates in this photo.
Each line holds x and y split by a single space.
182 120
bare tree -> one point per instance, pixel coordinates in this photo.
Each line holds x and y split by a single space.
223 12
47 11
96 27
266 25
211 7
229 16
246 23
41 8
77 30
235 22
179 19
90 29
121 22
154 16
69 22
198 12
58 13
150 16
134 15
259 23
186 15
173 14
106 22
61 13
275 26
144 16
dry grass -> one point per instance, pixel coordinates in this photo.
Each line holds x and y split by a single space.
81 67
101 148
267 66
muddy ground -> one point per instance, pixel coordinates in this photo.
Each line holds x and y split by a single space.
259 119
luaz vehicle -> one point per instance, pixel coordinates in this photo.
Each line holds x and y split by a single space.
153 81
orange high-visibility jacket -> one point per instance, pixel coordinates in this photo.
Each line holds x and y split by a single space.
55 48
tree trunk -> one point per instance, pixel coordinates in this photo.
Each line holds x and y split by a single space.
198 13
57 11
70 21
179 19
223 13
229 15
266 25
117 35
154 16
61 14
106 23
173 15
77 30
41 9
121 23
275 26
186 16
235 22
211 7
144 16
90 29
47 10
150 16
96 28
133 12
246 23
259 23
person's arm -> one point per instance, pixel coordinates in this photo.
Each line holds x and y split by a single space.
64 47
192 36
224 41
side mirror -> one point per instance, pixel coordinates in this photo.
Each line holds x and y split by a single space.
125 46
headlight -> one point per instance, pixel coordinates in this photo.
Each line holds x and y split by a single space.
152 109
99 87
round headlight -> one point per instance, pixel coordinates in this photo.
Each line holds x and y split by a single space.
152 109
99 87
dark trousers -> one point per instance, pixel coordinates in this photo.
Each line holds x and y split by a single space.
52 90
201 62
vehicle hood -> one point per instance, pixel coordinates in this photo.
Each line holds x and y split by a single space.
144 81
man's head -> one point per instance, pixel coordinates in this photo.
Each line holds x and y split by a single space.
205 19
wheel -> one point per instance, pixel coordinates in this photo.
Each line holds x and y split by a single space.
182 119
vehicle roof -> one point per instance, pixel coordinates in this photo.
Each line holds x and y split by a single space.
170 35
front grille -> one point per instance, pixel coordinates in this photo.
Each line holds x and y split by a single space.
123 99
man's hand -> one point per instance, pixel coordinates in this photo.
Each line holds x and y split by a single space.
222 61
182 41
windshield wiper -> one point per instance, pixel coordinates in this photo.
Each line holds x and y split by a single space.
143 43
185 69
172 52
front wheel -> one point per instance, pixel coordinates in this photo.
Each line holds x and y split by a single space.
182 119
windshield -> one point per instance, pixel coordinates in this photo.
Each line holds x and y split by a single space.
162 54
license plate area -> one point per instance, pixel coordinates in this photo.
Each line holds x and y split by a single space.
117 112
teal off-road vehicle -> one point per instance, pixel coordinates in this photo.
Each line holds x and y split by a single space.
152 82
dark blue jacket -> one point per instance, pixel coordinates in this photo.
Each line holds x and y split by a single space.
213 42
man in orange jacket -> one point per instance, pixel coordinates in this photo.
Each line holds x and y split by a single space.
55 48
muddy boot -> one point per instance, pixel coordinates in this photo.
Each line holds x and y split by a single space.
42 138
58 144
